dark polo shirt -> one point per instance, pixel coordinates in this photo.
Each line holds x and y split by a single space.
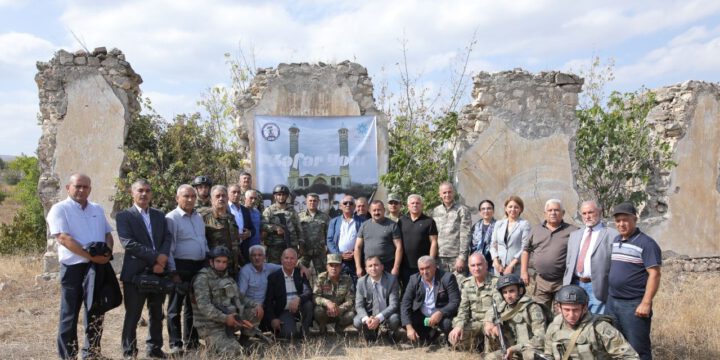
548 250
416 237
630 260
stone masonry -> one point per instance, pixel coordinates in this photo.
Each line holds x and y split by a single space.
684 206
86 101
516 138
303 89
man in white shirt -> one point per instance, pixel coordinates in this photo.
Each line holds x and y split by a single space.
75 223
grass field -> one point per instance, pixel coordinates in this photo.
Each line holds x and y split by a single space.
685 323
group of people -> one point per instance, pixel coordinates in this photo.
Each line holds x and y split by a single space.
240 270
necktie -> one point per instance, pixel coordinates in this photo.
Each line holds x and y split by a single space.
378 300
580 267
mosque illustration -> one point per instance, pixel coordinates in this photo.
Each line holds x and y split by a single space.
301 182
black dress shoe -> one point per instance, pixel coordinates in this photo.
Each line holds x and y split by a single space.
156 354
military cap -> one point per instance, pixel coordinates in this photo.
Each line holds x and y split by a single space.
334 259
394 197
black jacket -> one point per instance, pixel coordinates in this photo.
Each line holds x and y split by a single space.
276 295
447 296
139 252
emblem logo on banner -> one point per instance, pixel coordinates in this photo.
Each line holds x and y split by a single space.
330 156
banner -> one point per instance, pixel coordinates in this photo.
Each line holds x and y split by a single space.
330 156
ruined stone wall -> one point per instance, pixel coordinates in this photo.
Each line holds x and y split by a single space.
86 101
517 138
306 89
684 206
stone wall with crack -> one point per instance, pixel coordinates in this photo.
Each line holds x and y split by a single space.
516 138
86 102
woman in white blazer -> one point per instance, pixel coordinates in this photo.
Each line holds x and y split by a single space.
510 236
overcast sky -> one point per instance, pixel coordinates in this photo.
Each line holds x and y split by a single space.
177 46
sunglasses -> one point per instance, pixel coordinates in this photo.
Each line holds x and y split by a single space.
348 203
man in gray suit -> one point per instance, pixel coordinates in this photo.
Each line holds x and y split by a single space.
588 256
377 300
146 238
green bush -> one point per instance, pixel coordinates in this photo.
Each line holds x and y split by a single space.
168 154
27 232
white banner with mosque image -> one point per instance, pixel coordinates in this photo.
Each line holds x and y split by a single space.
330 156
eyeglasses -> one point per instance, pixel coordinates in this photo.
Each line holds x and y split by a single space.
348 203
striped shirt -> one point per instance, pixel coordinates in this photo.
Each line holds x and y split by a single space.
630 259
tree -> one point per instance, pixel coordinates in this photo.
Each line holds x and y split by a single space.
424 130
27 232
616 150
170 154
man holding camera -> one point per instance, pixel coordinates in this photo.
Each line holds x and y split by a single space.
76 223
146 238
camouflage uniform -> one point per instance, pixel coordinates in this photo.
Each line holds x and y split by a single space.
342 294
315 229
223 230
393 217
203 207
453 226
475 301
273 218
598 339
524 330
216 296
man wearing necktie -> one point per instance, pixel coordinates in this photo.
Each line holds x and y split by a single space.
588 256
377 300
146 238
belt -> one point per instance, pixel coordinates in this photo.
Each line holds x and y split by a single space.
583 279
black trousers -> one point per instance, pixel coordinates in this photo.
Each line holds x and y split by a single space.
134 302
71 299
425 333
180 304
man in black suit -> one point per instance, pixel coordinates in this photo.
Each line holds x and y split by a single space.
147 240
288 298
430 302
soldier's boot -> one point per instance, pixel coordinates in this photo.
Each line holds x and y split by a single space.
219 342
321 318
343 321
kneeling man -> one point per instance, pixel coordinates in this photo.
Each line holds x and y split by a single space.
377 300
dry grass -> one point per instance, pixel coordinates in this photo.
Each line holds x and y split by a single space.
685 323
686 319
9 206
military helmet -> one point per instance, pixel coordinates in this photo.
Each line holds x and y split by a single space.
202 180
281 189
219 251
510 279
572 294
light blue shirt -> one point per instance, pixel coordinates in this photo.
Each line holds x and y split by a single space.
235 210
84 225
253 283
188 234
428 307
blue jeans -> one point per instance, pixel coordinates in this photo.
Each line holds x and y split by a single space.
635 329
594 305
71 300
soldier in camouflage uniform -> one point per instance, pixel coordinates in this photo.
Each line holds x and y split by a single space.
334 296
523 322
281 223
596 339
453 224
202 185
476 299
245 182
219 307
394 207
314 224
221 228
